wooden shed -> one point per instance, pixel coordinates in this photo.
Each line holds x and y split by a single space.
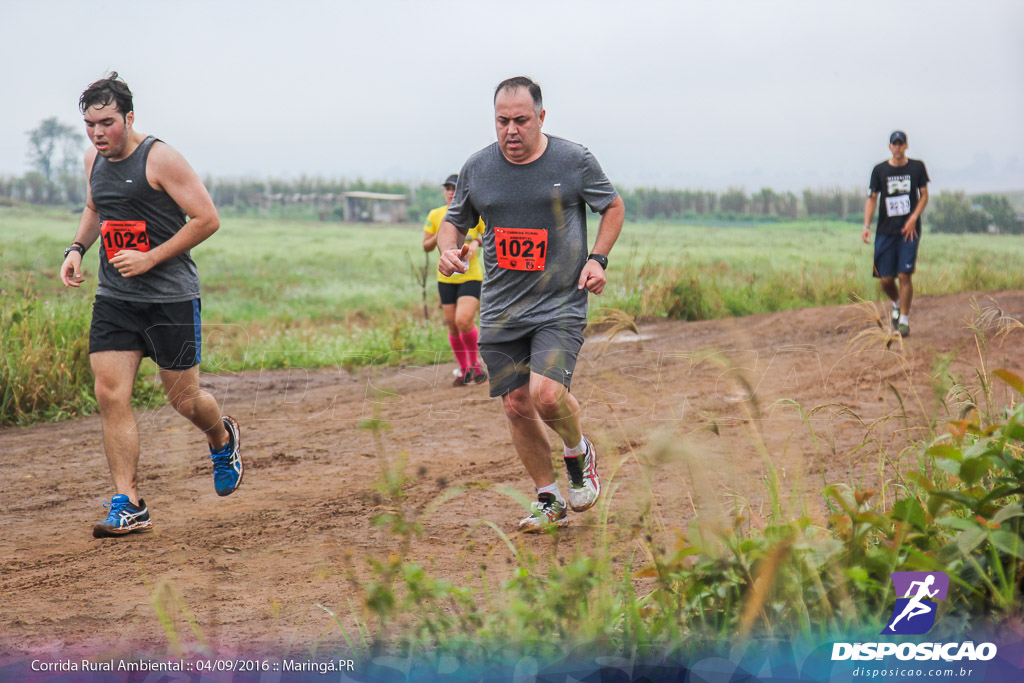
374 207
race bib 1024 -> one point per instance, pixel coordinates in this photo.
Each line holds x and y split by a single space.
897 206
118 235
521 248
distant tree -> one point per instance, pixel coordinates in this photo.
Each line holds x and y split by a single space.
1000 211
425 197
855 204
788 205
734 200
764 201
35 189
825 202
54 148
952 212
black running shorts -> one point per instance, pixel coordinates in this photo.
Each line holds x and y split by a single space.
170 334
450 292
549 349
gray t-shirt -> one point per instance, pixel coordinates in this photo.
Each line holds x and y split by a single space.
535 241
133 214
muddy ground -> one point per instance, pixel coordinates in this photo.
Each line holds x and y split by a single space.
681 414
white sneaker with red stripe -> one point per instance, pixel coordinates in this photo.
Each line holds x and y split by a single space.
547 513
584 485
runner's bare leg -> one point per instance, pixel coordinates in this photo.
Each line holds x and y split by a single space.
890 288
115 377
906 293
194 404
557 407
528 436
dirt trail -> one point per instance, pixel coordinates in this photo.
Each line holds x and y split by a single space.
252 567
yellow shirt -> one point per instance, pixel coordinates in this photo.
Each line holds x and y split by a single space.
476 270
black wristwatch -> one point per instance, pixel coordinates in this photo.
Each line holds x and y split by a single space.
600 258
75 246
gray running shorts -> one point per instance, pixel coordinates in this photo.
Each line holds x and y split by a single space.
549 349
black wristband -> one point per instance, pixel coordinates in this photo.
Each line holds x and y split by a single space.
600 258
75 246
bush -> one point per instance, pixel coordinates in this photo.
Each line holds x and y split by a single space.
44 368
1000 211
952 212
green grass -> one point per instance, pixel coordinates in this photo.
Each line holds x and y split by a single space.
730 584
315 293
638 593
280 293
696 272
274 295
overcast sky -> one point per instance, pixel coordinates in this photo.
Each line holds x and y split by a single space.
709 95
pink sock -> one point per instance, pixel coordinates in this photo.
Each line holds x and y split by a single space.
459 350
469 340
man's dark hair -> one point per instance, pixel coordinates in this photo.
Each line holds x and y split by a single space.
511 84
105 91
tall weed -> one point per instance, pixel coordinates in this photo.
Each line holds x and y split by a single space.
957 508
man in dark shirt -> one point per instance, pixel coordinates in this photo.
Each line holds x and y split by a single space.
902 184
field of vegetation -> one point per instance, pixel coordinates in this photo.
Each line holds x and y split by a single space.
279 293
770 589
312 294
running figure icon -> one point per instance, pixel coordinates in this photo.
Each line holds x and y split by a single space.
916 607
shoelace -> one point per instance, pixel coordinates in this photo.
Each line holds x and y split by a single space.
548 510
116 509
222 463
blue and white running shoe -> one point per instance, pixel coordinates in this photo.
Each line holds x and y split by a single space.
125 518
227 466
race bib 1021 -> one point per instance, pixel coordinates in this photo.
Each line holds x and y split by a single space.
521 248
118 235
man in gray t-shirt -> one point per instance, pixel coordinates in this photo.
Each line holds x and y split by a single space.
532 191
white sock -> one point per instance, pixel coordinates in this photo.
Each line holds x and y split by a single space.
896 305
552 489
904 320
580 449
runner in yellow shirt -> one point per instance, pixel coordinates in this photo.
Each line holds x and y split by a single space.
460 292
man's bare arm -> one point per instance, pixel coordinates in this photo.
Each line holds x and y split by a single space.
87 233
168 171
592 276
870 204
612 218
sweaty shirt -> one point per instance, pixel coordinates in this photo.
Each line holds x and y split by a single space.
126 202
476 271
535 236
899 189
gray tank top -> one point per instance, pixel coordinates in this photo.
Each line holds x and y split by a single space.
133 215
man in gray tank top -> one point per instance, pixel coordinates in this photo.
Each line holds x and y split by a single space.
147 208
532 191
